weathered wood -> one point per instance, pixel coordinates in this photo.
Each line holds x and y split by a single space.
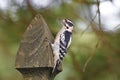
34 58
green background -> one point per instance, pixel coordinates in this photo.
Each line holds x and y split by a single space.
93 49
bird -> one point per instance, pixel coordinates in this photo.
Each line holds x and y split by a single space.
62 42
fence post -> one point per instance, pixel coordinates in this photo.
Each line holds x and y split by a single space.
34 58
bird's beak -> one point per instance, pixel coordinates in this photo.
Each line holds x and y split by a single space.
62 22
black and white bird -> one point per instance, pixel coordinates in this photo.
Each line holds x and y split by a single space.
62 42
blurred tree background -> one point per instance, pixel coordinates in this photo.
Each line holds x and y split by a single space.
95 50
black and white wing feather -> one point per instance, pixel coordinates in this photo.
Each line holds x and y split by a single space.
65 40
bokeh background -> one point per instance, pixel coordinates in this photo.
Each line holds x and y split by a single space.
95 50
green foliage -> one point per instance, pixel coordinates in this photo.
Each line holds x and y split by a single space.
93 49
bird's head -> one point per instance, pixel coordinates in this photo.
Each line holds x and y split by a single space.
67 24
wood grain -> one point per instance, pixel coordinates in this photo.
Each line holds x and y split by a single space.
34 58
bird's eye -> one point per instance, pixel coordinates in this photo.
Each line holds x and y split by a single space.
67 27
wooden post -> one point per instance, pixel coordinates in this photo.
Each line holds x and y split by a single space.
34 58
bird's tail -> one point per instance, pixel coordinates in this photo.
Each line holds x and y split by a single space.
55 66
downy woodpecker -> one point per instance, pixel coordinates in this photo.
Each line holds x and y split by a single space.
62 42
